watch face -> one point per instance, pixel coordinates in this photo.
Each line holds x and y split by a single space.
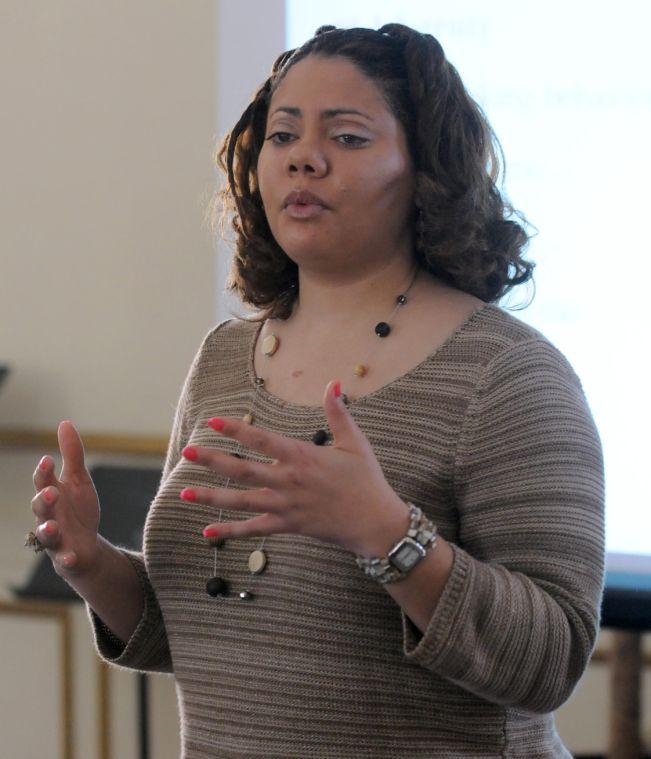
407 553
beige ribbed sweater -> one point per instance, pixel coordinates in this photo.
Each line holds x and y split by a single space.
492 437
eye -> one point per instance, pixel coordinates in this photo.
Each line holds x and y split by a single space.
358 140
278 134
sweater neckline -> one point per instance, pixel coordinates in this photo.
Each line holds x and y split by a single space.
300 408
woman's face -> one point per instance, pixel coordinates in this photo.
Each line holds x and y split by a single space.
358 164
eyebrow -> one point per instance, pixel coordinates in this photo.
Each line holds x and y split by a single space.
328 113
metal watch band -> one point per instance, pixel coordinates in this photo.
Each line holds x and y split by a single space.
421 535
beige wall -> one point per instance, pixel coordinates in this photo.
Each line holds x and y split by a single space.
109 280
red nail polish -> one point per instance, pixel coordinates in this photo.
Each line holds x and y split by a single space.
190 453
216 423
48 495
210 532
42 464
337 388
188 494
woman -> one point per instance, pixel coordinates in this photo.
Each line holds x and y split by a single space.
379 404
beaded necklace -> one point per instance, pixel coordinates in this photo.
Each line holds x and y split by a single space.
219 586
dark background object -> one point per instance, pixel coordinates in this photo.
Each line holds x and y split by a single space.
4 371
626 609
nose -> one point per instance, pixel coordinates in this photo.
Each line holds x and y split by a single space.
305 158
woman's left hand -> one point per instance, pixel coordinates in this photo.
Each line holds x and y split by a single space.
336 493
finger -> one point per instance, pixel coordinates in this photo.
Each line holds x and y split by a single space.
66 559
72 451
44 473
265 524
241 470
255 438
263 499
48 534
43 502
344 428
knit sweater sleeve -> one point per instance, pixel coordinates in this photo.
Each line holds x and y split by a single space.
147 649
519 615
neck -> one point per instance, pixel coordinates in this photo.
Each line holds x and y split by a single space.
338 302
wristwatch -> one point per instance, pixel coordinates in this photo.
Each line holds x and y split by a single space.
406 553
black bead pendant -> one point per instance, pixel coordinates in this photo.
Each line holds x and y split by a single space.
319 437
217 586
382 329
246 595
401 300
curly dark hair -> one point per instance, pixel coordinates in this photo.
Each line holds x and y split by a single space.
465 233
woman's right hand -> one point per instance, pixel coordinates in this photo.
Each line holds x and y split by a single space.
67 524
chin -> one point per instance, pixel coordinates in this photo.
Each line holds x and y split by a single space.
301 247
